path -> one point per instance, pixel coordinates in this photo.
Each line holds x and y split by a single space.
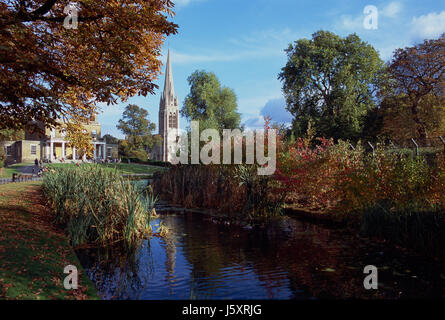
28 169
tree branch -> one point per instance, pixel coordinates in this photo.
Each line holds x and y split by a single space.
44 9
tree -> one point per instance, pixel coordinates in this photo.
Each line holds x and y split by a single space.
11 135
109 139
209 103
419 74
2 157
400 125
331 81
48 72
80 138
138 132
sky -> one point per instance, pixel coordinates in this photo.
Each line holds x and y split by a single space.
243 42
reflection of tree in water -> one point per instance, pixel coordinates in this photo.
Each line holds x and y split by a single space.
118 273
287 255
206 252
303 257
216 251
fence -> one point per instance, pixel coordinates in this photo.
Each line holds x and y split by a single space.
19 179
412 146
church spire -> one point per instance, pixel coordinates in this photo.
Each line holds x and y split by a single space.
169 89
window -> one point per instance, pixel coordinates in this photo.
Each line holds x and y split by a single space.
33 149
109 152
8 150
170 120
93 132
175 120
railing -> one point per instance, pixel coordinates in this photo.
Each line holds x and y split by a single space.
432 145
20 179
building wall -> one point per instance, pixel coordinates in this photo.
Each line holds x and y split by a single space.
11 157
111 151
20 151
59 133
27 154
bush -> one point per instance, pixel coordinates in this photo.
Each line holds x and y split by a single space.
98 206
396 178
341 179
310 175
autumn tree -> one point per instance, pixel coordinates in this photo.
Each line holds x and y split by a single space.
209 103
11 135
331 82
138 130
49 72
419 86
79 138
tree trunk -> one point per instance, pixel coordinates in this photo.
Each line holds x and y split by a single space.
420 125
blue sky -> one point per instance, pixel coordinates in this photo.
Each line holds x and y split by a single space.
243 42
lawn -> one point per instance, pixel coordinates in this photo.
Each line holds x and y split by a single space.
7 172
33 252
124 168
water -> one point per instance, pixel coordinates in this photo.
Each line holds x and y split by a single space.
286 259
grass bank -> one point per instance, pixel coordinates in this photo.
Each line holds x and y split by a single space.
33 253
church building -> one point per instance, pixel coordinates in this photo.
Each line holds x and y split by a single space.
168 117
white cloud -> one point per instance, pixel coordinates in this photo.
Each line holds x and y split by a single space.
276 109
430 26
392 9
348 22
355 23
256 122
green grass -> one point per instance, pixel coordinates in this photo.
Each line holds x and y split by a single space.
7 172
33 253
124 168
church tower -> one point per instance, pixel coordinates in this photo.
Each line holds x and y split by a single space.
168 114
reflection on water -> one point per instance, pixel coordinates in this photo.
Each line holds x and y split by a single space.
287 259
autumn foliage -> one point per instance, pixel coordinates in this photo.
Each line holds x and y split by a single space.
318 174
48 71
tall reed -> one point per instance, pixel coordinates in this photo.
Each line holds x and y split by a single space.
235 191
99 206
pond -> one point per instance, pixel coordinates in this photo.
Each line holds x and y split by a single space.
285 259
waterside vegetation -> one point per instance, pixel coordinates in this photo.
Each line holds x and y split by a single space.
99 206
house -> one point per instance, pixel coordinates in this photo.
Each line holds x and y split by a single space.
52 146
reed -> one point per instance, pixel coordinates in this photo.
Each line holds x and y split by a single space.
234 191
99 206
